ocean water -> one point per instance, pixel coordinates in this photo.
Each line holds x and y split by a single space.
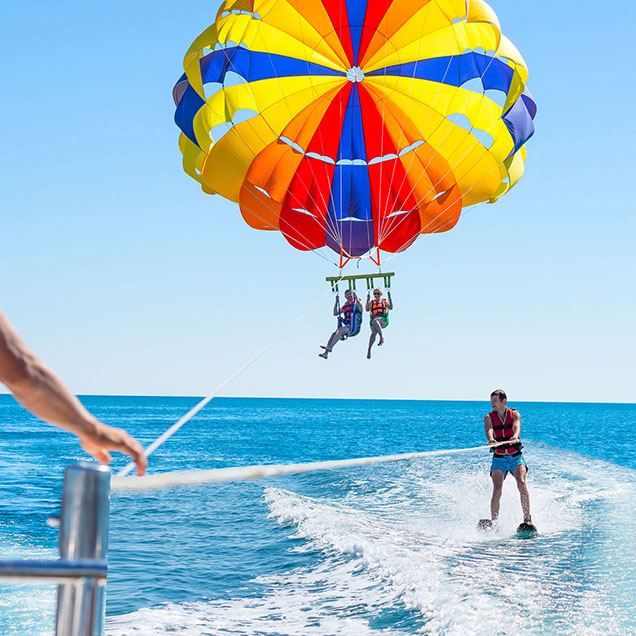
388 549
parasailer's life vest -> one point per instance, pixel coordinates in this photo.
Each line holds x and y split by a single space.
352 318
379 309
502 432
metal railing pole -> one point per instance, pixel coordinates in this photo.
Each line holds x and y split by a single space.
83 535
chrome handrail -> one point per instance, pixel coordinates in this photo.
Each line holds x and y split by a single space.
60 571
81 570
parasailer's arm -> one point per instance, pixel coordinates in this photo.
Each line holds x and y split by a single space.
336 307
390 303
368 306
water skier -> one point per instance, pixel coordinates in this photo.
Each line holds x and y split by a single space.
503 424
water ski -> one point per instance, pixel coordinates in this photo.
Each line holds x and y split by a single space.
527 530
485 525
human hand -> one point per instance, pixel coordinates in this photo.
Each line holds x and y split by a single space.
102 438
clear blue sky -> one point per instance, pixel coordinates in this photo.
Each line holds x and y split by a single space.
128 280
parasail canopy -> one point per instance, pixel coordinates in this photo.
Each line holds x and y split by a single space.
354 124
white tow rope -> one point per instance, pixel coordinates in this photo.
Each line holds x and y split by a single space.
246 473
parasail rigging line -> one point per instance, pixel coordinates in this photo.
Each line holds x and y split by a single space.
206 400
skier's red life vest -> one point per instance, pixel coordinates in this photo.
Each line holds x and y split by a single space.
502 432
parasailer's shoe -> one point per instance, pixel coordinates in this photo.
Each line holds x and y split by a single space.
381 342
327 349
324 354
369 354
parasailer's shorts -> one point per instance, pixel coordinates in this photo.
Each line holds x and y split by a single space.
507 464
383 317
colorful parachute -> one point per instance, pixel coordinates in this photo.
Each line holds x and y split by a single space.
355 124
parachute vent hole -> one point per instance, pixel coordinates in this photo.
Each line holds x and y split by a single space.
460 120
243 114
304 211
398 213
315 155
483 137
497 96
389 157
220 130
474 85
353 162
438 195
293 144
413 146
233 79
211 88
458 20
255 16
263 191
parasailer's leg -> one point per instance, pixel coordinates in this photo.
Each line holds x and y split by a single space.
335 336
376 330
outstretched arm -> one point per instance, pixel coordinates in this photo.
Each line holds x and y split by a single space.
36 386
390 303
368 306
336 306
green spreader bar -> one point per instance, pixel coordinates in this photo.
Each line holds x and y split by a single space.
351 280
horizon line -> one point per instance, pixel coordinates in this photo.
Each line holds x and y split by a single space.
296 397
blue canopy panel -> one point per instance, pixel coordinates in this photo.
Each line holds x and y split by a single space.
188 106
519 120
251 65
257 65
455 70
356 12
349 214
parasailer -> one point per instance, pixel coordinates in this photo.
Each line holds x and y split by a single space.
349 321
379 309
354 125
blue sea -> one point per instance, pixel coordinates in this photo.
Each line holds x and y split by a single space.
386 549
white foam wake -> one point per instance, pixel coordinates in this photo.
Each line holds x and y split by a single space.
402 541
